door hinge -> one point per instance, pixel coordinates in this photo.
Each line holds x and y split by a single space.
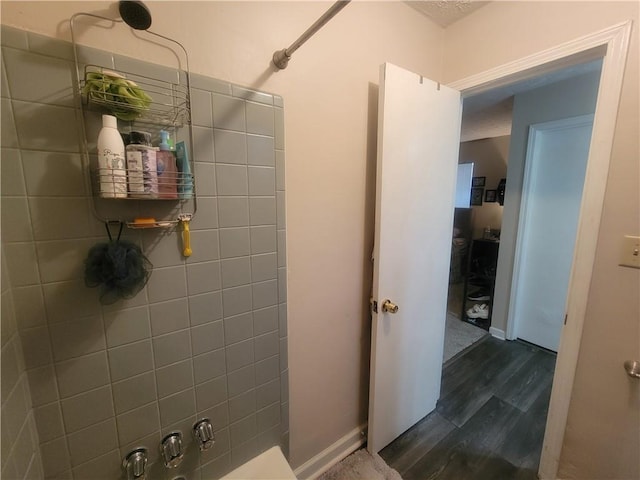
374 305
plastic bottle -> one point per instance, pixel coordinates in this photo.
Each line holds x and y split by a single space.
167 170
111 160
185 178
141 166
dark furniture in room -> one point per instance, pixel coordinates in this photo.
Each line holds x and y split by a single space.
481 276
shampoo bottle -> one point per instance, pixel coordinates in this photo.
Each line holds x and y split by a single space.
111 160
185 178
141 166
167 170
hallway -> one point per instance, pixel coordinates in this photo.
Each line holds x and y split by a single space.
489 421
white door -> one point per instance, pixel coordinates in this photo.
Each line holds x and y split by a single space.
418 141
556 163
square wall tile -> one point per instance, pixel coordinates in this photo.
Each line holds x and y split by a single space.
243 430
74 339
138 423
167 317
205 246
263 239
241 380
49 422
266 345
238 328
9 135
15 410
22 264
282 248
239 355
242 405
265 320
234 242
129 360
265 294
87 409
252 95
42 385
45 127
104 467
260 119
134 392
262 181
9 368
232 180
262 210
160 246
268 417
203 277
209 365
282 285
167 284
177 407
16 220
207 337
174 378
201 108
267 370
11 176
282 319
14 37
50 46
82 374
205 308
71 300
233 212
236 300
57 218
171 348
36 347
268 393
205 175
280 170
236 272
203 147
264 267
53 174
281 208
62 260
260 151
127 326
207 216
55 457
279 127
92 442
228 113
230 147
211 393
210 84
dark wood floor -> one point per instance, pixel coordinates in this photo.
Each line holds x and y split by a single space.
490 419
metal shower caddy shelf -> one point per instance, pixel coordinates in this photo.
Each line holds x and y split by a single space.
169 108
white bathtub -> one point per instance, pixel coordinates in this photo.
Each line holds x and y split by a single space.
270 465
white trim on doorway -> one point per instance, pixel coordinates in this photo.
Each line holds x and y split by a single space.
612 44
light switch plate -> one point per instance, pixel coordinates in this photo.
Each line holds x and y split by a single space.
630 252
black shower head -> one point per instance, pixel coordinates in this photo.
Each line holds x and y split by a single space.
135 14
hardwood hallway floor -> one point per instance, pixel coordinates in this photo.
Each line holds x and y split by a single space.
490 419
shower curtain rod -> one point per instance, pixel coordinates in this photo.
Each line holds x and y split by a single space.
281 57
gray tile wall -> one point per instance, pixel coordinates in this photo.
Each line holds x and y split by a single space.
206 337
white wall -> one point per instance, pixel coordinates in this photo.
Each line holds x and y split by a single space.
601 439
330 95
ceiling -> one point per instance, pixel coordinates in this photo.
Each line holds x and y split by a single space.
446 12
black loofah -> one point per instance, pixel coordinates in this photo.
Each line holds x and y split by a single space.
118 268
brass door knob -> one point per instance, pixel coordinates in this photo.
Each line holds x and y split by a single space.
389 307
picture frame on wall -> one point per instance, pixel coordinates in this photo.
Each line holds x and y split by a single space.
476 196
490 196
478 181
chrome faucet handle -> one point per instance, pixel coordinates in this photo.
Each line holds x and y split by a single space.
135 463
203 433
171 449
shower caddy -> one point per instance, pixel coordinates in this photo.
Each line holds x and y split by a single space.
169 109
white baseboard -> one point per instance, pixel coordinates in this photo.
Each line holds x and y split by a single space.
497 333
331 455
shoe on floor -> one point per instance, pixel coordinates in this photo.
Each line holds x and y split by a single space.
479 296
478 311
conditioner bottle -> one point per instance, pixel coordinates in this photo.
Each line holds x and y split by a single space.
112 171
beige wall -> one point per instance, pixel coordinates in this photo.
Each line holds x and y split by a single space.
602 439
489 157
329 91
